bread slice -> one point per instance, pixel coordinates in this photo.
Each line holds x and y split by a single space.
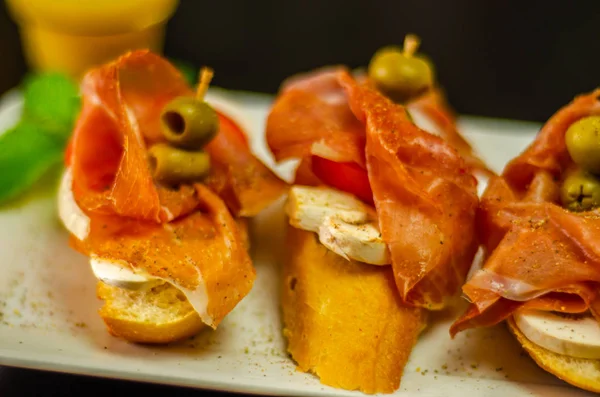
581 372
344 321
159 315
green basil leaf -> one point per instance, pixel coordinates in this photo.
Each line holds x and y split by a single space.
189 71
26 153
51 100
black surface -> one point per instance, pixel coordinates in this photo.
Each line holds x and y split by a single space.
514 59
15 382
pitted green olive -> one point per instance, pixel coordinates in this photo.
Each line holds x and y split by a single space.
170 165
580 191
189 123
399 75
583 143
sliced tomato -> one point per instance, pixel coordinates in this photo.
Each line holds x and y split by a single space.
230 129
347 177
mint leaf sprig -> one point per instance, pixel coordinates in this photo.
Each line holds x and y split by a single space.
36 143
52 102
188 70
51 105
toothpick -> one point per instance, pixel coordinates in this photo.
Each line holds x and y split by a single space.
411 44
206 75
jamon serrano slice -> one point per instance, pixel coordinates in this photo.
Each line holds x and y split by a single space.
539 255
186 236
122 102
423 190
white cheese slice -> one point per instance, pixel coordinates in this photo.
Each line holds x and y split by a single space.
575 336
345 225
76 222
119 274
361 243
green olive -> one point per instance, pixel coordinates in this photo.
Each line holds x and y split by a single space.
399 75
171 166
580 191
189 123
583 143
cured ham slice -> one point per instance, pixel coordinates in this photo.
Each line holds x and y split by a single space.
187 236
433 105
425 198
311 117
202 254
539 255
423 190
122 102
312 108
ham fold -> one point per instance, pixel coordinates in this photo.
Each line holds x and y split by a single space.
188 235
424 191
538 255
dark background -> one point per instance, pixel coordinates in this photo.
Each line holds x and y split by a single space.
513 59
28 383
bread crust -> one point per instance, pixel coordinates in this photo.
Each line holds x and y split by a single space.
580 372
344 321
121 324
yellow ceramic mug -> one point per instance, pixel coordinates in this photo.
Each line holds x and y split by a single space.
73 35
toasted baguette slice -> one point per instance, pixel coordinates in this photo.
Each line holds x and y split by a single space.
581 372
344 320
159 315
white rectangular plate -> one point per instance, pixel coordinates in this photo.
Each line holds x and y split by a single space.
48 308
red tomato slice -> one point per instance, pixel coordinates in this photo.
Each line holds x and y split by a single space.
230 129
347 177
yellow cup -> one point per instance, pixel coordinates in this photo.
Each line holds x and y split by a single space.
71 36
